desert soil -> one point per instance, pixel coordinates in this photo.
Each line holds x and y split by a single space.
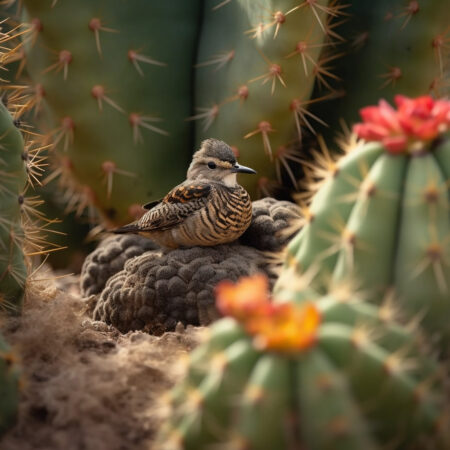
85 385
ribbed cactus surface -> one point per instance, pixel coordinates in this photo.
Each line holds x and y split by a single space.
115 81
257 65
12 183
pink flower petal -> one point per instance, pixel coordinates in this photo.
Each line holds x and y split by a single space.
427 130
416 119
370 131
395 144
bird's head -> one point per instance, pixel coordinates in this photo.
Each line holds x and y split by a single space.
215 161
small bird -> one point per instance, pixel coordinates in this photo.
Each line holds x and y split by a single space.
209 208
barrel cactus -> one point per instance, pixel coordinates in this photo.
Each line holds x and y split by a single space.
321 373
380 217
112 88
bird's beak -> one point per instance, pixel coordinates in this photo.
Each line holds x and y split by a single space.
242 169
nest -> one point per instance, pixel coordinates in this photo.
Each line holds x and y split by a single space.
142 287
110 258
158 289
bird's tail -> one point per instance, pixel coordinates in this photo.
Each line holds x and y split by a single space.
130 228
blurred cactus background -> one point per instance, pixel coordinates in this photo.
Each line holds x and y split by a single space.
341 107
129 88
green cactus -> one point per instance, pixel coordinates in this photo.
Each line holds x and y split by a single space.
9 386
12 183
100 70
254 88
381 219
352 387
392 47
113 89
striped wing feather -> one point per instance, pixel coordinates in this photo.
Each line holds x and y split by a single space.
175 207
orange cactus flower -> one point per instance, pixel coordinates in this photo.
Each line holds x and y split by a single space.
283 327
287 328
414 121
241 299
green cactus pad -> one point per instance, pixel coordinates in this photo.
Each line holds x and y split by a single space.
116 82
257 64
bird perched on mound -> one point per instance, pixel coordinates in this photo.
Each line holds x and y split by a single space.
209 208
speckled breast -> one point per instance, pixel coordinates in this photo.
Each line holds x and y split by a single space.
223 219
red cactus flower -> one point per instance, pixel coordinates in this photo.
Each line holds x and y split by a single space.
282 327
412 124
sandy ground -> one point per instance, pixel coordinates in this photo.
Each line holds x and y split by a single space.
86 386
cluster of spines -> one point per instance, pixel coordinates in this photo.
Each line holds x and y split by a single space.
13 175
405 15
349 181
81 198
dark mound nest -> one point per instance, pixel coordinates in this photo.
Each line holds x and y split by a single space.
156 289
274 223
109 258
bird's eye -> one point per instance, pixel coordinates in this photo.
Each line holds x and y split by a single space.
212 165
